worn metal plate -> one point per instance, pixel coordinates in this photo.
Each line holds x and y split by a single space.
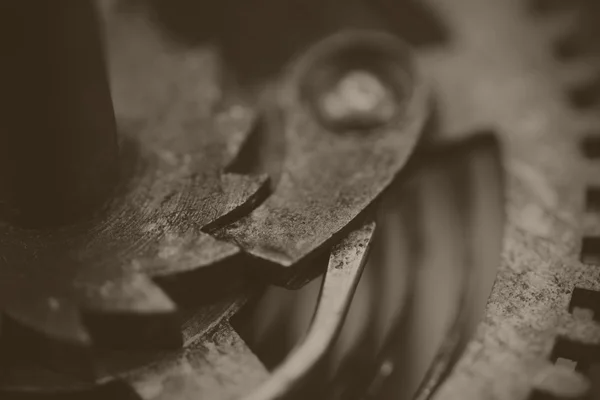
331 174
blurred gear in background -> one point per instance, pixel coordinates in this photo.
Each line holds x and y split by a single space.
424 321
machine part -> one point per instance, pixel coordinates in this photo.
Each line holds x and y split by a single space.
504 70
183 377
346 158
497 71
59 149
175 188
346 262
330 176
90 280
83 287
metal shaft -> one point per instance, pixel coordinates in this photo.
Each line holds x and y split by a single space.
58 146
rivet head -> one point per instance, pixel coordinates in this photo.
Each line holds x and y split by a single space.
359 99
354 82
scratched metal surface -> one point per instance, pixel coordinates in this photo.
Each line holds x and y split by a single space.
498 71
171 191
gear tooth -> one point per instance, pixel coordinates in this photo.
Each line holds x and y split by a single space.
131 294
557 381
179 254
198 373
244 192
194 269
132 313
49 333
51 317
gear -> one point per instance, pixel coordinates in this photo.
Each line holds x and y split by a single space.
71 282
503 71
493 72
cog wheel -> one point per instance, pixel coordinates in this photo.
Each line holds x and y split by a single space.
507 66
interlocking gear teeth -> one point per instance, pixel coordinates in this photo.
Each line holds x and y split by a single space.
120 292
86 282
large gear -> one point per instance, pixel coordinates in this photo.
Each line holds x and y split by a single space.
506 70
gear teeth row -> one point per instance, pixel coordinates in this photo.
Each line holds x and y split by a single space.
580 46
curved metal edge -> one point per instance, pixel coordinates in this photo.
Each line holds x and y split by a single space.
343 273
482 151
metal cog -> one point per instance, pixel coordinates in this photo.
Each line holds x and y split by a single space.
501 73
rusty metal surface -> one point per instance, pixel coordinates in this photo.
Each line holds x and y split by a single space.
118 279
207 337
330 176
76 283
217 366
499 71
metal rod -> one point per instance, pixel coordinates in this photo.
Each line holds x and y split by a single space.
58 145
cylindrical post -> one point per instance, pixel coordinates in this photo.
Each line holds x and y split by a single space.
58 145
